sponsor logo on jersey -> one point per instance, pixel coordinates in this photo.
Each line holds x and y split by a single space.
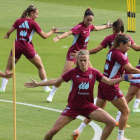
23 33
83 93
24 25
83 86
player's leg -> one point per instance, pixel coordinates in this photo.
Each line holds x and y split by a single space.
59 124
36 60
8 68
68 65
121 104
101 116
136 103
100 103
132 91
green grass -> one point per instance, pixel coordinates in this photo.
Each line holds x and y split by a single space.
33 123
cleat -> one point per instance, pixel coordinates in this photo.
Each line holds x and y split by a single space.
1 90
75 135
47 90
124 139
49 99
117 124
135 110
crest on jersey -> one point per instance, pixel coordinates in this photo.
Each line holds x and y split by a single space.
90 76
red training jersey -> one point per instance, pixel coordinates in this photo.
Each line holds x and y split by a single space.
82 87
25 31
81 37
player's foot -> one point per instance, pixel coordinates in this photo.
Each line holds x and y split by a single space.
1 90
47 89
124 139
117 124
75 135
49 99
135 110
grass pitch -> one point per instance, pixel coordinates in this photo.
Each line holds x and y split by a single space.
33 123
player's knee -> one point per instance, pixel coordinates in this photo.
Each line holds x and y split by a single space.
126 112
112 123
130 97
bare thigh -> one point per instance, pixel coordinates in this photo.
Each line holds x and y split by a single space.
37 61
101 103
121 104
101 116
68 65
61 122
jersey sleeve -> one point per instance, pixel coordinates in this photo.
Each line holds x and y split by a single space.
15 24
131 39
76 30
99 76
92 27
122 59
37 27
67 76
104 43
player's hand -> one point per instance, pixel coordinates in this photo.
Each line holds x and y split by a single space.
56 38
55 30
74 54
6 36
109 25
30 84
8 74
126 77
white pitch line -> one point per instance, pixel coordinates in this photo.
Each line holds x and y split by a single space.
96 128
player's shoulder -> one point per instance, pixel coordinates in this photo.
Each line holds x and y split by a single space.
93 69
78 26
71 70
19 19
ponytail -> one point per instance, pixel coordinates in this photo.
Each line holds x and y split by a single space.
24 14
28 11
119 25
120 39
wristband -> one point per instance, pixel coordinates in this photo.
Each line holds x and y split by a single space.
126 77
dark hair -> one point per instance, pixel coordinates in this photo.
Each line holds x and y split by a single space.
28 11
119 25
88 12
120 39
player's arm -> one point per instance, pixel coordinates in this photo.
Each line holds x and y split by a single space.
131 69
46 83
112 82
98 28
66 34
95 50
135 47
2 74
46 35
9 32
